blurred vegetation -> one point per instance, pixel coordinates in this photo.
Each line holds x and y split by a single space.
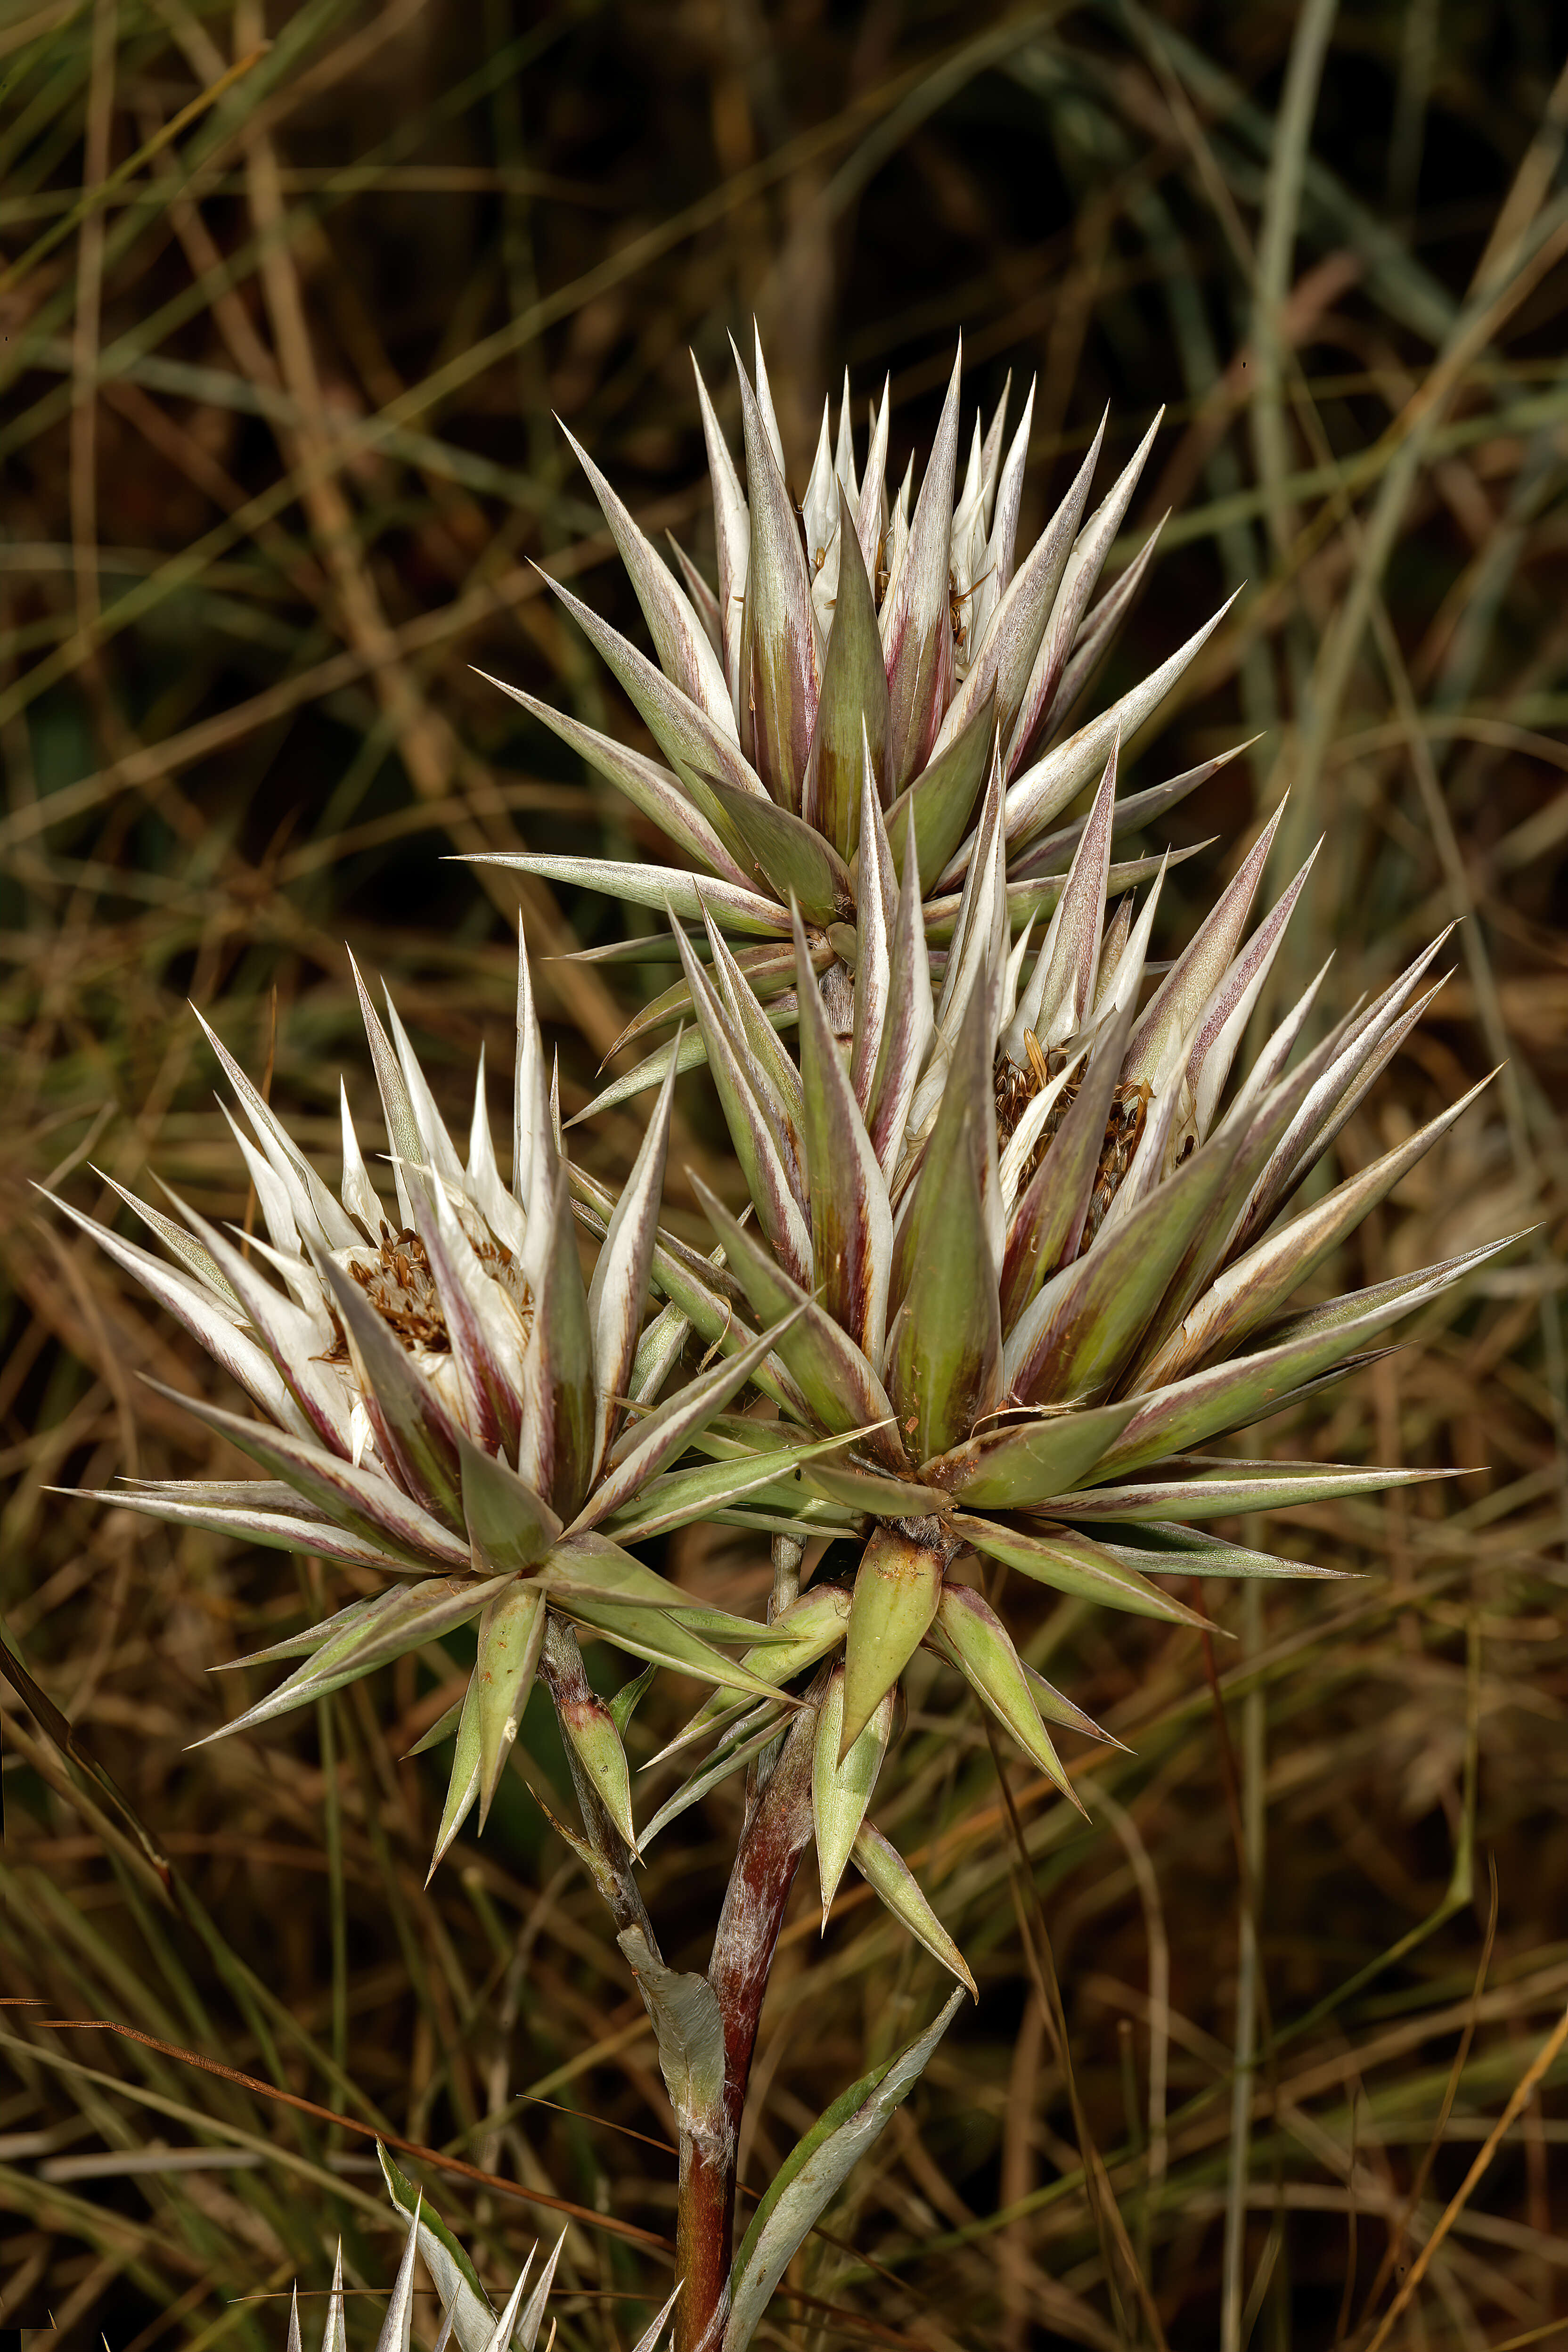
278 372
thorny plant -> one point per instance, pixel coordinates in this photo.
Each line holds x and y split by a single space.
1021 1239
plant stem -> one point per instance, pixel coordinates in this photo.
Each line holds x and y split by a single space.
778 1829
775 1836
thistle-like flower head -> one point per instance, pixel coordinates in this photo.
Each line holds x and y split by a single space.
1041 1247
446 1404
908 637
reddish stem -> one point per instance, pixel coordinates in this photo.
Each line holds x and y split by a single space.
776 1835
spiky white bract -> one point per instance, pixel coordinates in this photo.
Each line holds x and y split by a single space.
468 2320
442 1399
860 643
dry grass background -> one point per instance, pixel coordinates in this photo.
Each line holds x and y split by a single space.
275 425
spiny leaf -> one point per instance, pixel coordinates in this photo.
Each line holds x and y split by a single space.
841 1785
394 1621
917 635
414 1430
778 655
361 1500
897 1589
830 1371
512 1633
971 1637
1071 1562
1183 1413
851 1220
853 710
796 860
511 1527
944 1344
941 801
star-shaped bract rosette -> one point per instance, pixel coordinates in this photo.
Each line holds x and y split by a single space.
1040 1235
445 1401
914 628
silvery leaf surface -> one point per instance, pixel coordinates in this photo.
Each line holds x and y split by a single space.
704 603
1059 996
1097 633
877 890
659 886
696 747
618 1289
759 1145
767 967
1202 1556
907 1031
1047 1224
1132 812
1074 579
364 1501
455 2281
1181 995
677 1424
396 2327
1043 791
743 980
208 1320
484 1327
1257 1284
247 1521
1221 1490
682 1495
1002 665
1080 1329
731 539
416 1435
812 2175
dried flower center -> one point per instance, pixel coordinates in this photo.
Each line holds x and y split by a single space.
1015 1089
400 1285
